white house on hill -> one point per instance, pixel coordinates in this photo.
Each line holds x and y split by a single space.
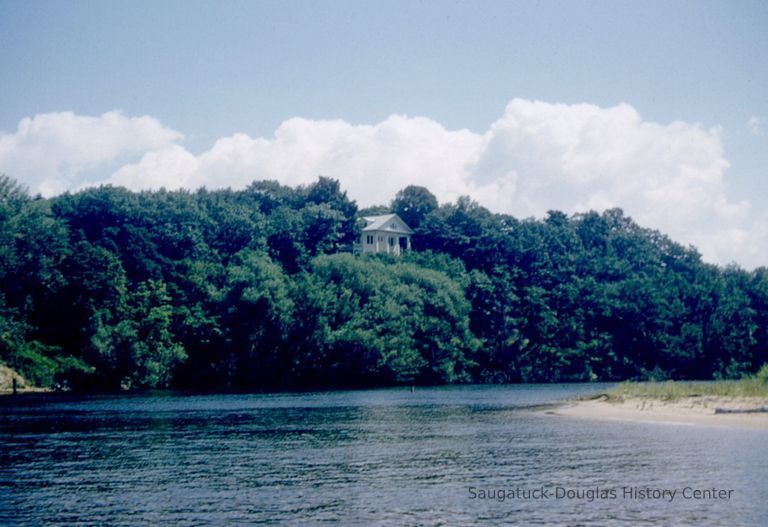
385 234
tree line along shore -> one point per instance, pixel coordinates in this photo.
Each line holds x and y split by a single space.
108 289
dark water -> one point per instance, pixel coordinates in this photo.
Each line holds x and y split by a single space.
379 457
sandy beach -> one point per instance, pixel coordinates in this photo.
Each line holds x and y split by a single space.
6 382
690 411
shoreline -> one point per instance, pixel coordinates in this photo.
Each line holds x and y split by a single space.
728 412
26 390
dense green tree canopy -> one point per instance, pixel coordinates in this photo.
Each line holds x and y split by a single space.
259 288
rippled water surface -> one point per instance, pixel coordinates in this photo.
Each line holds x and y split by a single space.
439 456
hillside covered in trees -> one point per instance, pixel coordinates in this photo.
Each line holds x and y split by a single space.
258 289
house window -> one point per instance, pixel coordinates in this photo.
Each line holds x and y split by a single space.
369 239
381 238
391 241
394 225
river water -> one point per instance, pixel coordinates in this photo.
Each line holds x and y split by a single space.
466 455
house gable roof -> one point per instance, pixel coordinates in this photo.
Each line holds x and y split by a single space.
385 222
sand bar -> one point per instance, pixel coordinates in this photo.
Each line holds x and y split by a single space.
691 411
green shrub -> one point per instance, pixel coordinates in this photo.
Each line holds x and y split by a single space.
40 365
762 373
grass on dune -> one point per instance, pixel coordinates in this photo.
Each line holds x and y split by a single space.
756 386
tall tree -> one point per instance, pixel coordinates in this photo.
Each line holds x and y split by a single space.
413 204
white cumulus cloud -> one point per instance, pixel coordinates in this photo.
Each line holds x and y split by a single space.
372 162
537 156
580 157
52 152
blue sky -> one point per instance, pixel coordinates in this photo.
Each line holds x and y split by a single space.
205 71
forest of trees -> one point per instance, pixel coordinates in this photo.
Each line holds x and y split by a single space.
107 289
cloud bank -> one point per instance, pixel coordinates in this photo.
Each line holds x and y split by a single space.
537 156
52 152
